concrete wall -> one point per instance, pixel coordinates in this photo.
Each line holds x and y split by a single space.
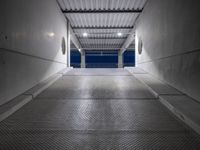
31 33
170 32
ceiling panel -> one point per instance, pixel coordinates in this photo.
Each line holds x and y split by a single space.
101 4
102 28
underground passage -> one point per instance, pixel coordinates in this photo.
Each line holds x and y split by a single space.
99 75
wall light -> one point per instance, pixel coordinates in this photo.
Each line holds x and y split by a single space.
85 34
51 34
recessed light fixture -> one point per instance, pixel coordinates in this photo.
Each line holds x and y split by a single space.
85 34
119 34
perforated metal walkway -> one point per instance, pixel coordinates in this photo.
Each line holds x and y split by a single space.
96 109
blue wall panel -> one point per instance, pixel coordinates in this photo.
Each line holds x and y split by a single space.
101 59
129 58
75 59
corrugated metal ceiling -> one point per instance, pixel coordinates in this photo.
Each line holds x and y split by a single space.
101 4
102 28
102 20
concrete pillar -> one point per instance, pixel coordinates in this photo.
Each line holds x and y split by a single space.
120 59
83 59
68 44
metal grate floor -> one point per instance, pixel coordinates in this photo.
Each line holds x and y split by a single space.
99 140
98 72
56 120
97 87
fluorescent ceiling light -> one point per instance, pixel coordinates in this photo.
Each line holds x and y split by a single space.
85 34
119 34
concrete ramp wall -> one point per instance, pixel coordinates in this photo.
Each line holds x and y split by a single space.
170 35
31 33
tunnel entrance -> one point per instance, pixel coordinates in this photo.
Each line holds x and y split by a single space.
102 59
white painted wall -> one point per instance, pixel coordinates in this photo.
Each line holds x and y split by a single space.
170 31
32 50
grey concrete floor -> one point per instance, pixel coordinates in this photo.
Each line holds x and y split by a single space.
96 109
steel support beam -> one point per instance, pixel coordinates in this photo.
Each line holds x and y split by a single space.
120 60
99 28
75 40
68 43
83 65
117 48
106 38
101 11
104 48
128 41
103 33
